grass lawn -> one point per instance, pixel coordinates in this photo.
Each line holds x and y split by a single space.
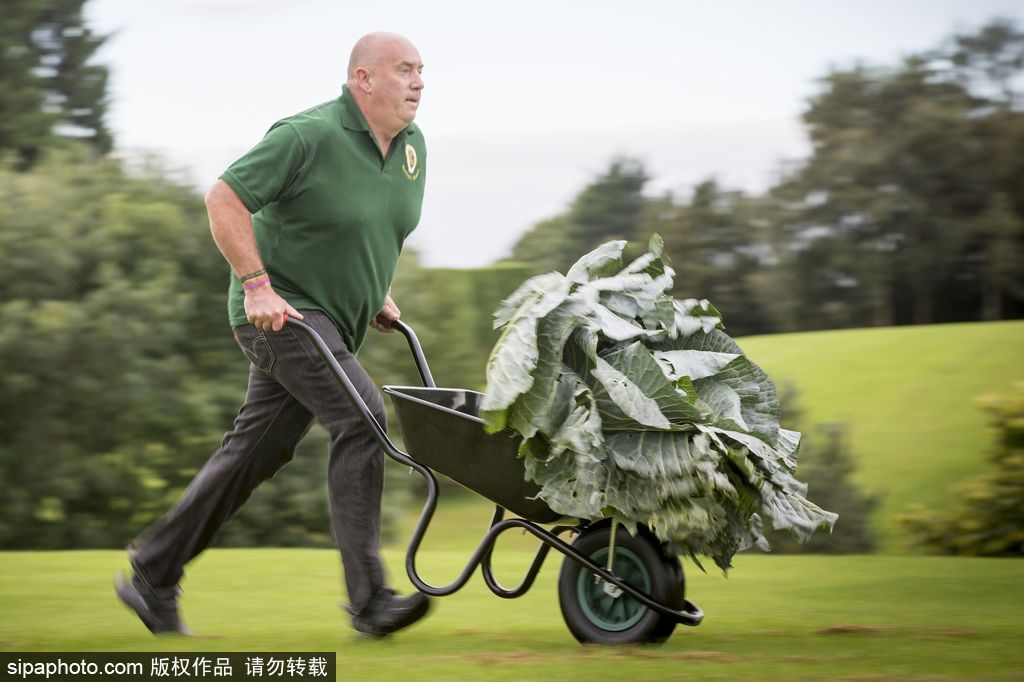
907 396
774 617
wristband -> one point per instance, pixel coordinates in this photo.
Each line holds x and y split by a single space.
254 279
252 275
253 283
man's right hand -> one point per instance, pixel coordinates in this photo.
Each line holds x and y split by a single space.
266 309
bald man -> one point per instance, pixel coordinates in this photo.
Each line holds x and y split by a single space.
312 222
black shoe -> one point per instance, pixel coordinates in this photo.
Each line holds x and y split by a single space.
389 613
157 608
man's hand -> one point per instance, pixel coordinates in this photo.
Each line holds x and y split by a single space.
388 314
266 309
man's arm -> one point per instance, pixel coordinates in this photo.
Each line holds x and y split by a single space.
231 226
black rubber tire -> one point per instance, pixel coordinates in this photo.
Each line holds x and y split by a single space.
668 625
645 555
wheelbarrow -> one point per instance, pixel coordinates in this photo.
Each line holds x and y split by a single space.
613 588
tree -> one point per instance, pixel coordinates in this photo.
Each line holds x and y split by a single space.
716 245
894 169
989 519
610 207
988 65
546 246
910 209
827 467
1001 238
105 401
897 216
49 89
989 61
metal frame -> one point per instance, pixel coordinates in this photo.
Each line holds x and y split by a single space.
692 616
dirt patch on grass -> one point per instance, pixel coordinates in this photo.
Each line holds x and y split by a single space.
806 659
503 657
920 633
684 655
849 630
942 633
706 656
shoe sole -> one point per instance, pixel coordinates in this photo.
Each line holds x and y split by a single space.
416 615
131 598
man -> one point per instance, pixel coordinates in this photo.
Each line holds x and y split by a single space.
312 222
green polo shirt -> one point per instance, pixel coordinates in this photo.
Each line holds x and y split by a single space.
330 212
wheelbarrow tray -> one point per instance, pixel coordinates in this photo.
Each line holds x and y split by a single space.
443 430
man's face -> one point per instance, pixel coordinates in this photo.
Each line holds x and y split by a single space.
397 84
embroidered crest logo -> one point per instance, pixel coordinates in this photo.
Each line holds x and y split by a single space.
411 168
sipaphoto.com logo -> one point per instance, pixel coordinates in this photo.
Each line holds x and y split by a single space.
61 668
224 666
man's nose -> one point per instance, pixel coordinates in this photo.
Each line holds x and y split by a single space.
417 82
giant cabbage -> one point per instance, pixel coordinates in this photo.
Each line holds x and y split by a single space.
636 406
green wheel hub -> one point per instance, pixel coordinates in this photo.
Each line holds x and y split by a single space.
606 611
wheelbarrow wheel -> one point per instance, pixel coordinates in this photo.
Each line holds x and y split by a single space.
676 594
596 612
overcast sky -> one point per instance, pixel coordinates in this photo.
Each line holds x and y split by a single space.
525 102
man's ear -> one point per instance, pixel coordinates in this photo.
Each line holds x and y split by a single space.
363 80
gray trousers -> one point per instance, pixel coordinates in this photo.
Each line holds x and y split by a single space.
289 386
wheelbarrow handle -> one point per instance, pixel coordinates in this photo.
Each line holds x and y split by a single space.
417 352
389 448
353 394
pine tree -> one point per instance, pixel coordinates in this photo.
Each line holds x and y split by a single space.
827 466
49 89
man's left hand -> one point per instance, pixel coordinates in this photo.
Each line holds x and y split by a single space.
388 314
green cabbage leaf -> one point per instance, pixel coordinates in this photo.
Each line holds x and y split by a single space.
636 406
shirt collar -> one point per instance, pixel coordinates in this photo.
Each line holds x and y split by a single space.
353 119
351 116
